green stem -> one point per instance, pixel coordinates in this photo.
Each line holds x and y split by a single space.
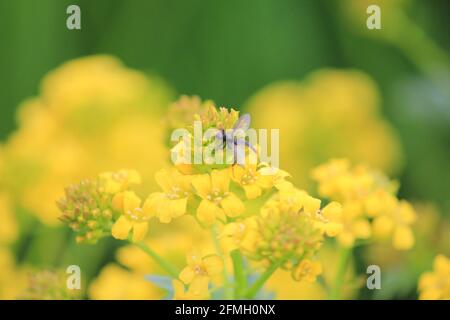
344 258
167 266
227 286
257 285
239 273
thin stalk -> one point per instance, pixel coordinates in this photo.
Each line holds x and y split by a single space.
344 258
227 286
259 283
239 273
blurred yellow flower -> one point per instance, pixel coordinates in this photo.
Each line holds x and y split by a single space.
113 182
333 113
8 226
92 114
435 285
116 283
370 206
307 270
396 222
217 201
239 235
13 279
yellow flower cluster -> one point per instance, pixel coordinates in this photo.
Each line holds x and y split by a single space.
93 208
332 113
92 114
257 218
289 230
370 206
435 285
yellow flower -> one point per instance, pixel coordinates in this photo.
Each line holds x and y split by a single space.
307 270
113 182
291 228
133 218
396 221
172 202
330 219
249 177
301 109
435 285
92 114
370 205
198 273
217 200
239 235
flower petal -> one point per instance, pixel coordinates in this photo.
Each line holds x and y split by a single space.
213 264
202 185
121 228
140 231
232 205
130 201
220 179
252 191
207 212
187 275
177 207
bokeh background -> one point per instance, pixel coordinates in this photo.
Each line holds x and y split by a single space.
310 68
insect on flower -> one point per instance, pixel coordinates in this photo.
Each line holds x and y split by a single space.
235 140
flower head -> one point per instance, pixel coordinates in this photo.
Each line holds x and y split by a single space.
251 179
134 218
197 274
435 285
172 202
291 227
240 235
218 202
87 210
370 206
307 270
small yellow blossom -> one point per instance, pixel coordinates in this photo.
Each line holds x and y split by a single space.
239 235
329 219
217 201
199 271
355 224
172 202
395 220
307 270
435 285
249 177
134 218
